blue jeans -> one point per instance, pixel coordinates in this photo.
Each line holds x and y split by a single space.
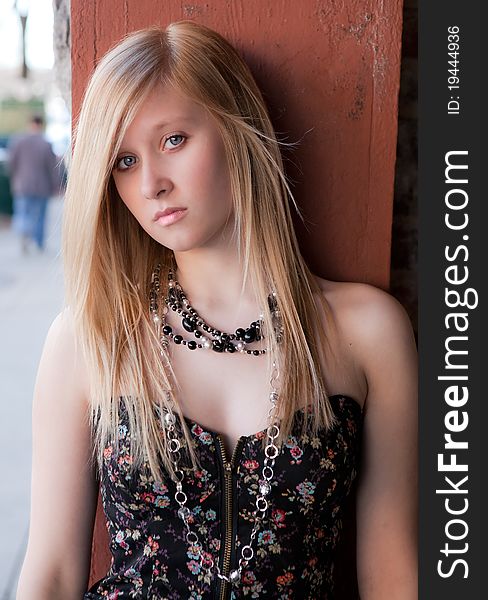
29 217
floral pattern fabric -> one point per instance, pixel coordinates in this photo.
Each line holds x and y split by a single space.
294 548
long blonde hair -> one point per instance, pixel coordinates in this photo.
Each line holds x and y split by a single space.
108 257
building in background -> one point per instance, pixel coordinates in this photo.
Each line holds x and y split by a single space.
27 81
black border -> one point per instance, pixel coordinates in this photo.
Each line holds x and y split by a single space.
440 133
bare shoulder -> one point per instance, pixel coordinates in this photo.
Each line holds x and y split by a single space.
61 393
365 310
375 328
62 355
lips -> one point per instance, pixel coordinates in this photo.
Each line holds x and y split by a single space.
170 215
168 211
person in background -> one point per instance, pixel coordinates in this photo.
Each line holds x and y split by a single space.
34 178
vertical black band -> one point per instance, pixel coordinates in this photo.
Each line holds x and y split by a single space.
453 329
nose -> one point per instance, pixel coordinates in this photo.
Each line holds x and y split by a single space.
153 181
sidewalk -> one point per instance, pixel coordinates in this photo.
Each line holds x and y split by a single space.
30 297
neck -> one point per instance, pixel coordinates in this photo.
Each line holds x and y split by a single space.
212 281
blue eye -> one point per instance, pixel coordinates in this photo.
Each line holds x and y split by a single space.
126 162
126 165
176 140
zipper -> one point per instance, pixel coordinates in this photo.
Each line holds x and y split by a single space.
228 506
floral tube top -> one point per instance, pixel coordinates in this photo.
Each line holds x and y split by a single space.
294 547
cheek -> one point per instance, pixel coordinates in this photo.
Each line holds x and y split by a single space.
126 192
212 175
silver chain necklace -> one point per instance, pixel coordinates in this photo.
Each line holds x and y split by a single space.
271 451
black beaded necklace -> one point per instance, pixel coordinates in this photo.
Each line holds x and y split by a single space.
207 336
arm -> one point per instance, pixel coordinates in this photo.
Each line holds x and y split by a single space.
387 486
64 489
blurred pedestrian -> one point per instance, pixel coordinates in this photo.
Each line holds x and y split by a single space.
34 178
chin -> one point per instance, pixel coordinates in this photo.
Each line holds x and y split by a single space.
184 238
185 241
178 243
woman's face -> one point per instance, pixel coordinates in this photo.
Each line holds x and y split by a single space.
171 172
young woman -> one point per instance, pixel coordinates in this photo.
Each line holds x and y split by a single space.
192 322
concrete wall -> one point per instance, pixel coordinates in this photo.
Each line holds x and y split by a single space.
61 46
